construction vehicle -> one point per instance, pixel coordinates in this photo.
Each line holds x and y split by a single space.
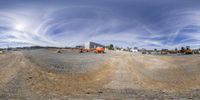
96 50
188 51
100 50
84 50
185 51
143 52
81 50
58 51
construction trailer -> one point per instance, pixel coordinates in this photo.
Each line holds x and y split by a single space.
92 45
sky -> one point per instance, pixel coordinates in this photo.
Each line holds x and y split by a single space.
124 23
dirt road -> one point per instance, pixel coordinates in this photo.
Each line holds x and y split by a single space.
122 77
119 76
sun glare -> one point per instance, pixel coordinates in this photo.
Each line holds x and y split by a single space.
19 27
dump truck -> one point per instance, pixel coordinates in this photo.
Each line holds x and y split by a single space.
100 50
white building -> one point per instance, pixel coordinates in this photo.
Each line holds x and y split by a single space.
1 52
134 50
92 45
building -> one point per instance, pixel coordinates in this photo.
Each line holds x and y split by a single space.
1 52
164 51
135 49
196 51
79 47
92 45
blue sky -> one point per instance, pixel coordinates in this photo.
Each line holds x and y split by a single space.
141 23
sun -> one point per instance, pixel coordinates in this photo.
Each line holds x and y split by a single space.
19 27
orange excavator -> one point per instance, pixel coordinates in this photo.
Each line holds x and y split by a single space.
100 50
95 50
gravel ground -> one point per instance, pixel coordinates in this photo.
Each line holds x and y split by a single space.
45 75
67 61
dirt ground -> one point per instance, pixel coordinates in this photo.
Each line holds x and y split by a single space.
46 75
